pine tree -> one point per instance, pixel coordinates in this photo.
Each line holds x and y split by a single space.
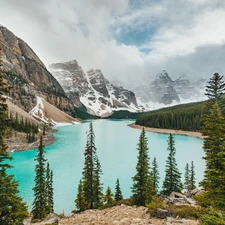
108 197
97 186
187 178
118 193
172 181
49 189
142 179
192 177
80 201
91 173
214 146
215 87
39 210
12 209
155 175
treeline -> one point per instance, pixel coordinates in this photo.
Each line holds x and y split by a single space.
125 114
181 117
19 124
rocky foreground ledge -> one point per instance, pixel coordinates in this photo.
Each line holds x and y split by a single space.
117 215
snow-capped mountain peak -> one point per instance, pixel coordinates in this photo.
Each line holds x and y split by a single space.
93 90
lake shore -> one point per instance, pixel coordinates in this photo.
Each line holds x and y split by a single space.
168 131
19 143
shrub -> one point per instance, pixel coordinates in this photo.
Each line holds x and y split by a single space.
186 211
208 219
155 204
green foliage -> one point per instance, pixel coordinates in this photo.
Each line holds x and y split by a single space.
39 210
118 193
124 114
216 87
192 177
108 197
204 199
156 203
187 178
91 185
186 211
19 125
80 201
97 186
12 209
49 190
180 117
214 147
155 175
142 188
212 217
82 114
172 181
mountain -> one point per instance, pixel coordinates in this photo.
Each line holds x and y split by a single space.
166 91
28 76
92 90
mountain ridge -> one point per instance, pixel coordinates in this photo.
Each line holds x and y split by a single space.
93 90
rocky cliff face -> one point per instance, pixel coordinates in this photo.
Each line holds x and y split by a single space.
164 90
92 90
28 75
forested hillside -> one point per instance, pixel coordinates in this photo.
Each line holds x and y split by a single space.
180 117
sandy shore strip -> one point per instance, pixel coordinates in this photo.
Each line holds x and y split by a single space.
168 131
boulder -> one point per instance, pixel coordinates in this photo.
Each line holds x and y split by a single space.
176 198
163 213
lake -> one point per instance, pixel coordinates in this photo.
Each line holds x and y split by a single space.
116 148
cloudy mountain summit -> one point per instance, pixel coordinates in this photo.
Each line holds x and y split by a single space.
125 38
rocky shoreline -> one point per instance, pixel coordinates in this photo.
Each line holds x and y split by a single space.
168 131
19 143
117 215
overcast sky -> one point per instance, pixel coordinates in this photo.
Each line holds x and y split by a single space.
128 39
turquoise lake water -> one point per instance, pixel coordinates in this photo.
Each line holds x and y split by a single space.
116 148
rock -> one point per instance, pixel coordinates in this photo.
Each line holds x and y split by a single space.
52 218
195 191
176 198
163 213
92 90
28 76
173 221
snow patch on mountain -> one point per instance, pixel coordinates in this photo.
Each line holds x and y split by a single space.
93 90
38 111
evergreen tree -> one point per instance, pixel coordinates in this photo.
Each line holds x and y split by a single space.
155 175
108 197
49 189
118 193
187 178
172 181
12 209
39 210
192 177
80 201
215 87
142 180
91 173
97 186
214 146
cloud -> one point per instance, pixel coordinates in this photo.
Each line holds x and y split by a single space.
128 39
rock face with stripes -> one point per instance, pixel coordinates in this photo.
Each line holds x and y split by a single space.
28 76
